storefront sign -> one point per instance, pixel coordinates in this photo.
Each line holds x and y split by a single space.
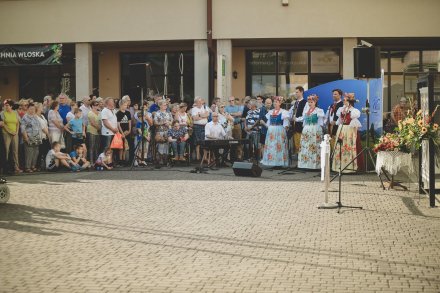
30 55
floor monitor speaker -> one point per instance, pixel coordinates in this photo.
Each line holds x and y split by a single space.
246 169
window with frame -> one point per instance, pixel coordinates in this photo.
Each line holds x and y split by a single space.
271 73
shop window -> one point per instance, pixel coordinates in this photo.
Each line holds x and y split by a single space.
385 92
431 60
264 85
396 83
405 61
293 62
263 62
280 72
324 62
288 82
384 61
152 78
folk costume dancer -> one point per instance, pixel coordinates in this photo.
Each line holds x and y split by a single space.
312 135
275 151
331 116
348 131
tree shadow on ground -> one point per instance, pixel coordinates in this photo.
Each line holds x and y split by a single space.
12 217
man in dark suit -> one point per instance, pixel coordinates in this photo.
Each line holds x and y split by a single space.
296 112
331 114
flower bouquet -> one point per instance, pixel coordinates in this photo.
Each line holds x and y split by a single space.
415 128
387 142
409 133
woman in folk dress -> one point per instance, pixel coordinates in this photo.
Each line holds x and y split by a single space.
311 137
275 148
348 134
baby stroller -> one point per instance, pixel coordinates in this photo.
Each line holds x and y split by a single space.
4 191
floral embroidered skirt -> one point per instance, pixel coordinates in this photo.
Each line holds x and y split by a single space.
275 147
310 153
349 149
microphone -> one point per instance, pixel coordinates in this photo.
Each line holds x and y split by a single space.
367 107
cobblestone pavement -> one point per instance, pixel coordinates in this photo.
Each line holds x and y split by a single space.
134 231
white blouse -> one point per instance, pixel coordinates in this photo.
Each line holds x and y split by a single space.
44 125
319 112
284 116
354 114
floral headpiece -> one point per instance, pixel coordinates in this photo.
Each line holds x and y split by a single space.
349 97
313 97
278 98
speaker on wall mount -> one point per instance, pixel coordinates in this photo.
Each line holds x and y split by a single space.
366 62
246 169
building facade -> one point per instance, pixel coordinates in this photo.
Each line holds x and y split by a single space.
266 47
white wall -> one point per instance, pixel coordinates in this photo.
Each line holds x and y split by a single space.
326 18
75 21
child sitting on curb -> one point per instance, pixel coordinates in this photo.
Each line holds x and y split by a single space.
78 157
56 160
105 160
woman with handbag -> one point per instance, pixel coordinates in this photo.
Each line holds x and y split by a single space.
162 121
31 131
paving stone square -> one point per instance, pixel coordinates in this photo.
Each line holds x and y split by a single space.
174 231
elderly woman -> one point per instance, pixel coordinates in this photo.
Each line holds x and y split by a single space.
178 136
311 137
44 134
275 147
162 121
23 105
47 100
31 131
56 126
11 122
174 109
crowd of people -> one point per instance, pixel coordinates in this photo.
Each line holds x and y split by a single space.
108 133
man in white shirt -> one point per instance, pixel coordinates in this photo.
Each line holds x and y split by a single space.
109 123
200 116
213 129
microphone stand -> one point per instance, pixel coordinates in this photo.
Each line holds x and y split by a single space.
147 65
339 204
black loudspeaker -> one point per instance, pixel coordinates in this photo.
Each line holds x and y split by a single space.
137 75
246 169
366 62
